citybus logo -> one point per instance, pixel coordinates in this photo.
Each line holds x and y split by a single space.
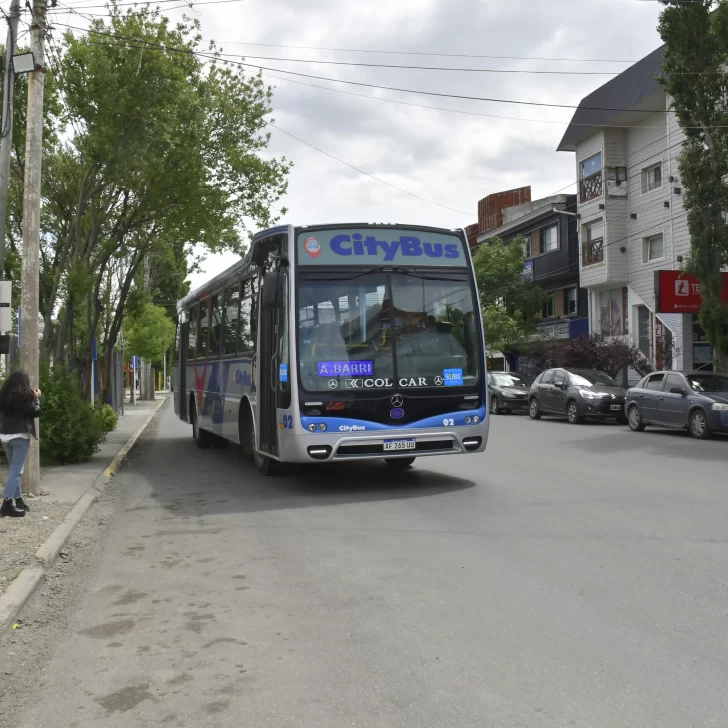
243 379
312 247
407 245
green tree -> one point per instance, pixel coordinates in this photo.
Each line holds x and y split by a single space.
696 36
155 149
149 334
511 303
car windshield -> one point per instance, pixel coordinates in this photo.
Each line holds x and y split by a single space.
707 383
592 379
376 330
508 380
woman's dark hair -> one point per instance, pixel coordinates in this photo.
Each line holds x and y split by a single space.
16 395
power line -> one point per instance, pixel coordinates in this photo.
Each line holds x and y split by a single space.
218 57
367 174
422 53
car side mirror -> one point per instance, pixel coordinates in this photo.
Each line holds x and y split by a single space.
678 390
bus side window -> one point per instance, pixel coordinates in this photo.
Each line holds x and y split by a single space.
230 323
215 325
254 311
192 315
203 330
245 341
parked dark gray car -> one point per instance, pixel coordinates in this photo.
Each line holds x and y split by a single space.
697 401
576 394
508 392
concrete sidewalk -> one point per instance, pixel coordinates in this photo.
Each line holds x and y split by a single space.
62 487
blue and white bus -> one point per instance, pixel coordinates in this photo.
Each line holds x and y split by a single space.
337 342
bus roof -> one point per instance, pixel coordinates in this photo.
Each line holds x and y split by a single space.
245 262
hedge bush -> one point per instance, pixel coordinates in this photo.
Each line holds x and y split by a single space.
71 430
108 416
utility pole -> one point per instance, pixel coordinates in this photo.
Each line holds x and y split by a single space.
29 348
6 126
6 132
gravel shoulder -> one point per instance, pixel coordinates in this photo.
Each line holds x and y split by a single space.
20 538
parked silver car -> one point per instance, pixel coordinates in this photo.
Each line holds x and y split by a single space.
697 401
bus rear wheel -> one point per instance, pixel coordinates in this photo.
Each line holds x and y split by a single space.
399 463
202 438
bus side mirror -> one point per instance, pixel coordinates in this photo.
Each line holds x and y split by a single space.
258 255
269 294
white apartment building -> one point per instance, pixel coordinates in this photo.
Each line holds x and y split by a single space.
632 222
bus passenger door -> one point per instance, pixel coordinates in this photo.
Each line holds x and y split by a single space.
267 364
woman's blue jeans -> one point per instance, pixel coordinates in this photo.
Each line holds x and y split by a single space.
17 452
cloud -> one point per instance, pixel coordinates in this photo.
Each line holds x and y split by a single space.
452 159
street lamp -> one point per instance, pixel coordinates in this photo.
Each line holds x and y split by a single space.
24 63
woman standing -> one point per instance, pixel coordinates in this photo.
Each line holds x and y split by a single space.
19 406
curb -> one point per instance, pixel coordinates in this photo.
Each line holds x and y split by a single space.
21 589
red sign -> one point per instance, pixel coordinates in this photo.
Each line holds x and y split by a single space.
679 292
335 406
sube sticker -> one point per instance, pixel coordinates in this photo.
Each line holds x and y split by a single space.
453 377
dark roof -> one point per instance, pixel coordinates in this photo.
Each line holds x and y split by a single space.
625 91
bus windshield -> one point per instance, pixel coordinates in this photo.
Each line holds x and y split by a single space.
380 330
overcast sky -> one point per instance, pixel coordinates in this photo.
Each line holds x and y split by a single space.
448 158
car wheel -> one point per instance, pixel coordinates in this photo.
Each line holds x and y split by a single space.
399 463
698 425
573 414
494 405
534 411
634 419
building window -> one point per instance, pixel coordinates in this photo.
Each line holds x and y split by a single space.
549 239
592 246
653 248
571 301
591 182
591 166
611 313
548 309
652 177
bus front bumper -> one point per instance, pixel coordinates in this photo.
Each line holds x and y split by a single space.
330 447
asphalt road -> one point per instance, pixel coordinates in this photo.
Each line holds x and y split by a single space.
569 576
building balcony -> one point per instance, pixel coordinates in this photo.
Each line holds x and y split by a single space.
592 252
591 187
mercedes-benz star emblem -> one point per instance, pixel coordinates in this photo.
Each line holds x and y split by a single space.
438 381
397 400
333 383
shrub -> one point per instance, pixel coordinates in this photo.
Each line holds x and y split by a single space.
108 416
70 429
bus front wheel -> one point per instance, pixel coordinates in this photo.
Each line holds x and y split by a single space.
399 463
266 466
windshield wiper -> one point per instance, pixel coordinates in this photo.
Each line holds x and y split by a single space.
347 278
406 272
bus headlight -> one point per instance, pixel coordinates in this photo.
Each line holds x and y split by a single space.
476 419
322 426
312 428
468 420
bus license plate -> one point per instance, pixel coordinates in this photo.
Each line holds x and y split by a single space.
399 445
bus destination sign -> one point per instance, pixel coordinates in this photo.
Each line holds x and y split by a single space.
395 246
